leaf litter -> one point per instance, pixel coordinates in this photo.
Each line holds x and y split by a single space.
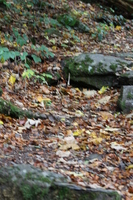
83 137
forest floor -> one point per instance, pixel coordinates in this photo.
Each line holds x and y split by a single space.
85 136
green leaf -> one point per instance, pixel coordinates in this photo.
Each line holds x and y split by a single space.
50 54
27 66
20 41
36 58
28 73
47 75
13 54
4 49
23 55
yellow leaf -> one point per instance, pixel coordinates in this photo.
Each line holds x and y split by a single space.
93 135
3 41
1 122
40 99
54 47
118 28
103 89
15 44
24 25
129 167
12 79
78 132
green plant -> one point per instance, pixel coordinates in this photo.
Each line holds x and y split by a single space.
27 74
19 39
43 50
5 54
101 30
67 20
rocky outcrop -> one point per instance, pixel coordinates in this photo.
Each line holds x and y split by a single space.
97 70
25 182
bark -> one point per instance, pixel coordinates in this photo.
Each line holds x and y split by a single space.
125 7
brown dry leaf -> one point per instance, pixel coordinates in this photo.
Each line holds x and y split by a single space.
89 93
106 115
104 100
44 89
73 146
130 189
69 132
63 153
96 141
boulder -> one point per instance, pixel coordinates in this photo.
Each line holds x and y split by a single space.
126 78
25 182
96 70
125 101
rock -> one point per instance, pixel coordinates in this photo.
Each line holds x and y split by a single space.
95 70
25 182
126 78
125 101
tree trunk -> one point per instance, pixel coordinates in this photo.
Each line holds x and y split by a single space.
125 7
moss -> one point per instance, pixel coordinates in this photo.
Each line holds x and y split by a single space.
101 68
125 75
80 66
31 176
33 192
64 192
113 67
130 95
122 104
88 59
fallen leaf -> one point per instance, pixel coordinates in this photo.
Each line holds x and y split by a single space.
90 93
63 153
12 79
1 122
78 132
129 167
106 115
44 89
103 90
116 146
31 122
96 141
104 100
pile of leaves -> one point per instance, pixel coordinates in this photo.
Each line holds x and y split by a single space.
84 136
